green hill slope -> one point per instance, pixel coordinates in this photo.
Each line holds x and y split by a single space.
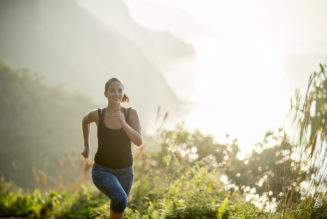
39 123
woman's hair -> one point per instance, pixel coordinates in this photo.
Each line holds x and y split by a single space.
125 97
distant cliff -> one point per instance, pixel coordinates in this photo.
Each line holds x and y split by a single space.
65 42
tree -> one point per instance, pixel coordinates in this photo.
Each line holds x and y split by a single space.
269 169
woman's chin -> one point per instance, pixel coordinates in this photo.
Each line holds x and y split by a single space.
115 102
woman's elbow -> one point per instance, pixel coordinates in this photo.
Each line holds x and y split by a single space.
139 142
85 122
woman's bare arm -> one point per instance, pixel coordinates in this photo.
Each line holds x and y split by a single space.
133 129
92 116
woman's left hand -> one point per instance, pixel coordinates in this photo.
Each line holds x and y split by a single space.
119 115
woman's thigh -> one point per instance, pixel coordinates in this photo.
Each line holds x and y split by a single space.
125 177
107 182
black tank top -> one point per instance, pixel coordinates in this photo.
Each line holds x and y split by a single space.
114 146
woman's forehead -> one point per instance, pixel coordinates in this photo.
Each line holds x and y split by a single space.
116 84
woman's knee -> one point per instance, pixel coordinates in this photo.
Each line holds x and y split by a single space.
119 203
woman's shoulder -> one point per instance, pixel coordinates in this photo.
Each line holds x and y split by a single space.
132 113
92 116
127 107
130 109
96 112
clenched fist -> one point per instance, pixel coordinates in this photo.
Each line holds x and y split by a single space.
85 152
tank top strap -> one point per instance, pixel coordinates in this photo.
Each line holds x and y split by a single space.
99 115
127 116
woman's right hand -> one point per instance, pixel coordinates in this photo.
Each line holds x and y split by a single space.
85 152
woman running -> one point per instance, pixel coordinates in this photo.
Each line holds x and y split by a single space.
112 171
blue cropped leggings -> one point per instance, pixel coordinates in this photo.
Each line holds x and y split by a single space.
115 183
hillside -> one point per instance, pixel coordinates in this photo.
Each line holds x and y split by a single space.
65 43
39 124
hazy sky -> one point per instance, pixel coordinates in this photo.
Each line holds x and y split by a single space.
250 56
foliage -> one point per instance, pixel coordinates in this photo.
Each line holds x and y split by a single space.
270 169
310 125
33 131
197 193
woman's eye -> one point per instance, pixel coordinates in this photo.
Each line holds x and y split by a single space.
113 90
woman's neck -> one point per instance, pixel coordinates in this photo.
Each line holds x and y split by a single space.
113 107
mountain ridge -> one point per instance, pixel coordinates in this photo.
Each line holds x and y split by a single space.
64 42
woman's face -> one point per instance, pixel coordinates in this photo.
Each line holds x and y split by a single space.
115 92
